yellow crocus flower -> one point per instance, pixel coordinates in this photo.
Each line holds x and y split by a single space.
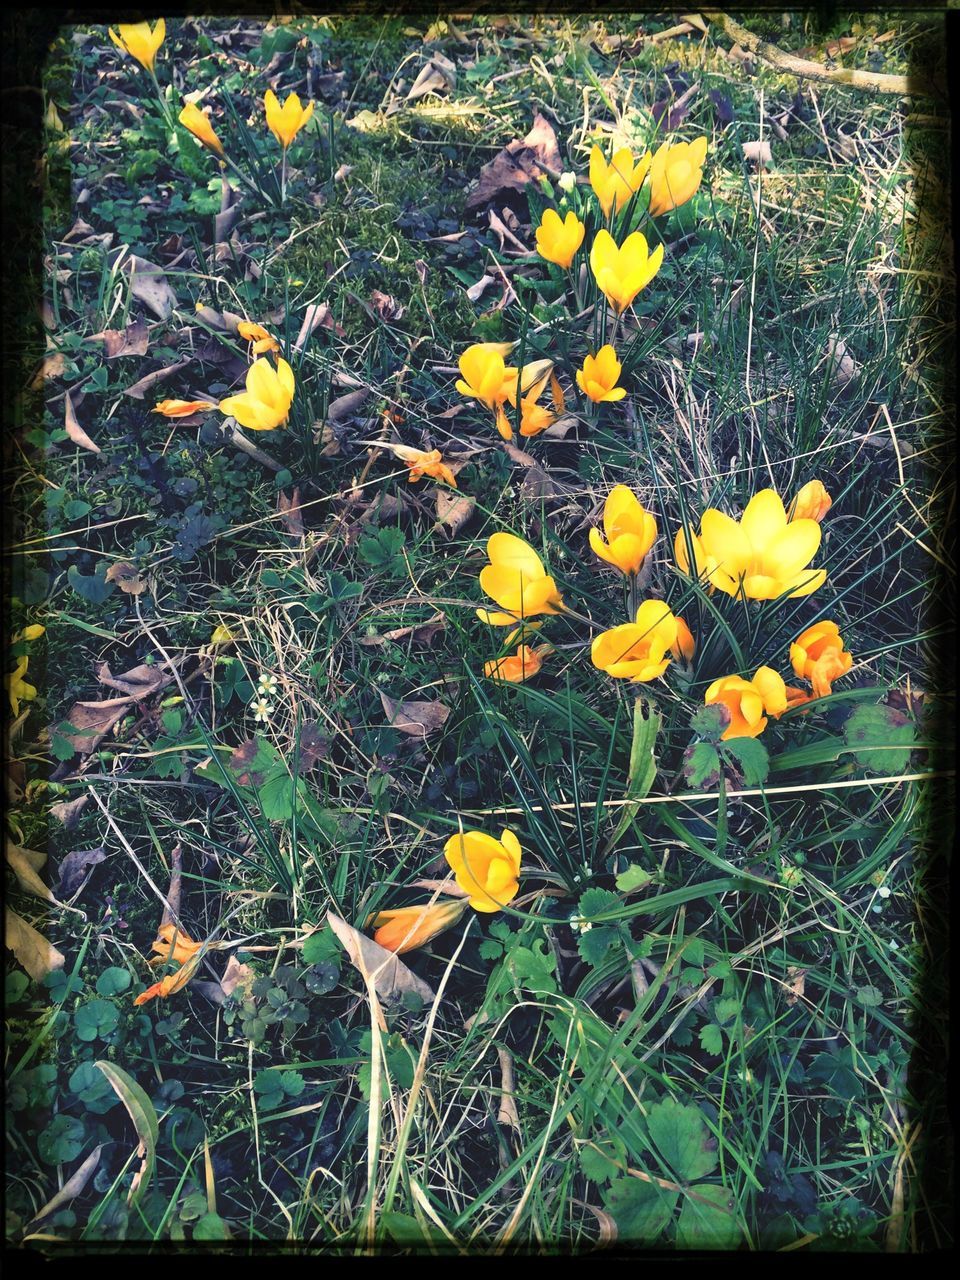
404 928
257 335
558 241
818 655
516 579
485 868
811 503
139 41
616 182
637 650
675 174
599 376
182 408
622 272
630 531
285 122
748 700
268 397
193 119
517 667
19 689
485 376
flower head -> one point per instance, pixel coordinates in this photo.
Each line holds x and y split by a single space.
268 397
485 376
285 122
139 41
811 503
485 868
17 688
429 464
558 241
761 555
637 650
172 982
262 710
516 667
182 408
172 943
222 635
631 531
622 272
258 336
675 174
599 376
516 579
818 655
616 182
192 118
404 928
267 684
534 417
748 700
567 182
685 646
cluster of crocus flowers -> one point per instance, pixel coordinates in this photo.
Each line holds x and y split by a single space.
818 655
517 581
558 240
534 417
266 402
172 945
404 928
486 377
182 408
762 556
193 119
614 184
598 377
286 121
675 174
140 41
485 868
621 271
641 650
261 342
630 531
514 668
749 702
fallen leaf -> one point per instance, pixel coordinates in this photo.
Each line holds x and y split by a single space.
68 812
25 863
671 117
317 314
139 682
758 152
241 759
235 975
127 577
72 1187
421 632
507 1114
289 509
475 292
499 226
519 455
73 427
386 306
33 951
842 368
134 340
89 722
171 908
150 286
795 984
390 977
519 163
418 719
76 866
453 510
314 746
346 406
52 367
438 76
144 1117
139 389
722 108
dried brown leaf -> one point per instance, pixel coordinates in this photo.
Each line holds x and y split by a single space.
386 306
150 286
453 510
418 719
139 389
421 632
72 1187
68 812
134 340
521 162
25 863
75 868
390 977
346 406
236 975
38 956
139 682
127 577
90 722
314 746
241 758
73 427
289 509
758 152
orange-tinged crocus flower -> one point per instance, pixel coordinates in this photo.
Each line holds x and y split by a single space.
485 376
139 41
631 531
616 182
172 983
685 645
748 700
622 272
485 868
258 336
811 503
516 579
286 121
558 241
182 408
637 650
675 174
19 689
599 376
761 556
192 118
429 464
517 667
172 943
818 655
404 928
266 402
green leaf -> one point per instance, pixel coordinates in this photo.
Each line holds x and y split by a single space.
211 1227
403 1228
711 1040
602 1161
598 902
595 941
320 947
681 1135
709 722
113 981
751 756
633 878
144 1117
870 997
641 1210
701 766
643 766
709 1221
91 588
95 1018
62 1140
880 738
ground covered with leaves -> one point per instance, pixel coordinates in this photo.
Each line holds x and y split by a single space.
685 988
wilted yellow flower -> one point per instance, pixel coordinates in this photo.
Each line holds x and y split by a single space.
257 334
762 556
17 688
486 868
222 635
517 667
747 700
485 376
404 928
534 418
516 579
182 408
618 181
558 241
268 397
173 982
31 633
557 397
622 272
675 174
429 464
192 118
811 503
599 376
172 943
631 531
637 650
685 646
818 655
285 122
139 41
